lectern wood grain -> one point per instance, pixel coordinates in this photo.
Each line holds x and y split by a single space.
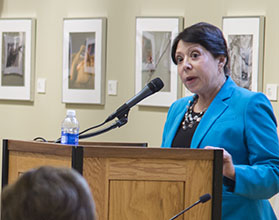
132 183
173 184
147 200
20 162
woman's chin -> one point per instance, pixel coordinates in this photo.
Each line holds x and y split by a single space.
191 89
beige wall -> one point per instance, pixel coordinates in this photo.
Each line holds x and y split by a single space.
24 120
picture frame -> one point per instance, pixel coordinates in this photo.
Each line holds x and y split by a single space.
84 52
154 37
245 40
17 45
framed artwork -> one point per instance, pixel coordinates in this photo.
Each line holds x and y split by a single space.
17 59
84 45
154 37
245 40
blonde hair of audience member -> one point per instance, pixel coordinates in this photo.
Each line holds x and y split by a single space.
48 193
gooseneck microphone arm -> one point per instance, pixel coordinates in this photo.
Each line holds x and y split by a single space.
122 112
116 124
203 199
152 87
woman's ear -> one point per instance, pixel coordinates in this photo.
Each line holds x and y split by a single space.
222 61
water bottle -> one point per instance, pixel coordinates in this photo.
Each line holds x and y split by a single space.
70 129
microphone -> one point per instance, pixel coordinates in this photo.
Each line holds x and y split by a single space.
152 87
203 199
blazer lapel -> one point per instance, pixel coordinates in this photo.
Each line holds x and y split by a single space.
214 111
177 120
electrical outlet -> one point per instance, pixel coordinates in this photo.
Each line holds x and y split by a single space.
112 87
41 85
271 92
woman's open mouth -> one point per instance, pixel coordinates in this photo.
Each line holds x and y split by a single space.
191 79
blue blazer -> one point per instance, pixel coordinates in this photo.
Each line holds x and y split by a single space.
243 123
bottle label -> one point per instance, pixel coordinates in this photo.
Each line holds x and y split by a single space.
71 139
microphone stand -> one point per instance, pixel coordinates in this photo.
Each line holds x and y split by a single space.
180 213
202 199
123 119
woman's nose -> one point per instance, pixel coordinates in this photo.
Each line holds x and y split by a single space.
187 65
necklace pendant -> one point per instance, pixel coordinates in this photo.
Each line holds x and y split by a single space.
184 127
191 118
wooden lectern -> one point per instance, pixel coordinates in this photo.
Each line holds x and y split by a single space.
128 181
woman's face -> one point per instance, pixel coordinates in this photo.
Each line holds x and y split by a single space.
199 71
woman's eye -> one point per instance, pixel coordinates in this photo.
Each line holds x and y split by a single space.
195 55
179 59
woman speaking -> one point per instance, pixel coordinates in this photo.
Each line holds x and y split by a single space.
223 115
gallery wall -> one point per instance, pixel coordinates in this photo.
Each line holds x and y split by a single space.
26 120
43 116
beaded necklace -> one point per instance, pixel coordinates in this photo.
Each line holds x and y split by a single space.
190 120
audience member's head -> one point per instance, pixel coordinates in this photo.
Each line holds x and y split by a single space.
48 193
